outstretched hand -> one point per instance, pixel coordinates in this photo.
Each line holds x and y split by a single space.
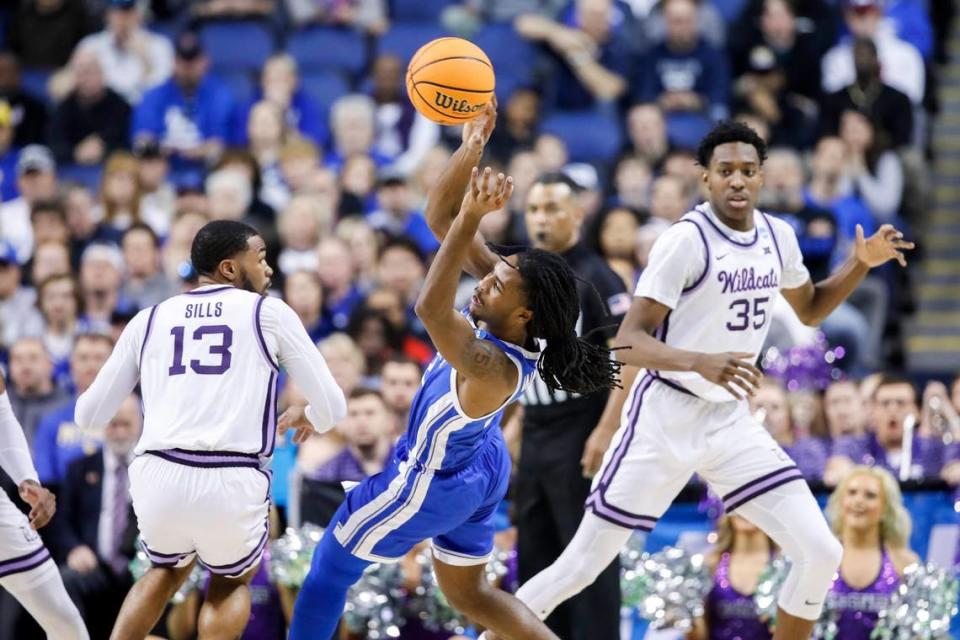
886 244
485 194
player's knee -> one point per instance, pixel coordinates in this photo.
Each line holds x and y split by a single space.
831 553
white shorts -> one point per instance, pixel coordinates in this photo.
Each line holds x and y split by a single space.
666 435
24 561
214 505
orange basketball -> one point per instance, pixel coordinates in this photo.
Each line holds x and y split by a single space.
449 80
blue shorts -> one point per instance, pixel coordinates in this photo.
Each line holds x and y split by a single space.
388 514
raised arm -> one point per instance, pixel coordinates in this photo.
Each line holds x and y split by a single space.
444 200
813 303
485 371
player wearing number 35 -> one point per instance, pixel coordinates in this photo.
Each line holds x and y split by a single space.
207 362
699 316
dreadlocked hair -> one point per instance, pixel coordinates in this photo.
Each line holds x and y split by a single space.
568 363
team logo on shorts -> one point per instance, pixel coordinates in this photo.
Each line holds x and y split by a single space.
29 535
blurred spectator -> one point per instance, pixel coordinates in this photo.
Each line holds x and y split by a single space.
18 314
8 153
303 291
95 527
58 298
144 284
299 160
402 134
189 114
215 9
133 59
592 51
399 383
340 293
31 389
229 195
59 441
771 405
36 180
158 192
632 179
101 273
267 132
429 171
369 16
389 302
43 32
48 222
302 224
263 214
710 24
685 75
612 234
525 168
82 223
353 126
358 179
901 66
911 20
280 85
465 18
668 198
377 339
345 361
364 246
121 195
368 432
176 251
888 110
682 164
517 124
93 120
894 402
402 267
49 259
875 173
846 417
647 133
395 215
551 150
29 113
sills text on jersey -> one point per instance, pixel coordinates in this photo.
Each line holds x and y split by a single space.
204 310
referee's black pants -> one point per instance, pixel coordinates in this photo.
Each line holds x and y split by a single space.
550 492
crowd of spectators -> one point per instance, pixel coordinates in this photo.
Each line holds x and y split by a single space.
136 134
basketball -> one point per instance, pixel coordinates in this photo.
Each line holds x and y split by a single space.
449 80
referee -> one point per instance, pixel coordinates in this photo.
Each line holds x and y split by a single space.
557 453
564 435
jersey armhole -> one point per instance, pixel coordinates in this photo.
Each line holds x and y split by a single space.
258 329
455 396
706 263
146 336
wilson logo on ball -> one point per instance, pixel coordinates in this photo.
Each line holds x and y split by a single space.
457 106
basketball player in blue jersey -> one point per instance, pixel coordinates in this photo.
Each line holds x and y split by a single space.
699 317
452 467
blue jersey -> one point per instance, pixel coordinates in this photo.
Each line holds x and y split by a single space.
439 434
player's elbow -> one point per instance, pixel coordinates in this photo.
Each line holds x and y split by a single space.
338 406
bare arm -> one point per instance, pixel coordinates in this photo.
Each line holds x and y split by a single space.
602 83
813 303
445 198
487 372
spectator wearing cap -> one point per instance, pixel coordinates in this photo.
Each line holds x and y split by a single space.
8 153
901 65
29 113
36 180
83 224
591 47
43 33
133 59
395 215
190 114
685 75
31 389
887 108
18 313
145 283
101 274
402 134
93 120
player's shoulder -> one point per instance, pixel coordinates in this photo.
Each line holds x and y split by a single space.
686 230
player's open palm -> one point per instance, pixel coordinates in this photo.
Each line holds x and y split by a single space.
42 503
486 193
886 244
732 371
295 418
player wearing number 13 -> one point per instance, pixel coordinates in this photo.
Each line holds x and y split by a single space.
698 320
207 362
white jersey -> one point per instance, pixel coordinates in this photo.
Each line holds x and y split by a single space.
720 285
208 362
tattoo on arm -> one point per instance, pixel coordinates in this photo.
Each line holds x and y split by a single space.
484 360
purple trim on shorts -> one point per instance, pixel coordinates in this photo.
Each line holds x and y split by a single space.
162 559
146 336
239 567
773 236
269 430
23 563
208 291
209 459
756 232
604 511
674 385
268 474
632 414
761 485
706 268
260 339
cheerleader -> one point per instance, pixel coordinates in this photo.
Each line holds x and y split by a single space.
741 554
866 512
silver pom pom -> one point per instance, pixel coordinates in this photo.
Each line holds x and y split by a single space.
290 555
768 588
667 588
372 607
921 607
